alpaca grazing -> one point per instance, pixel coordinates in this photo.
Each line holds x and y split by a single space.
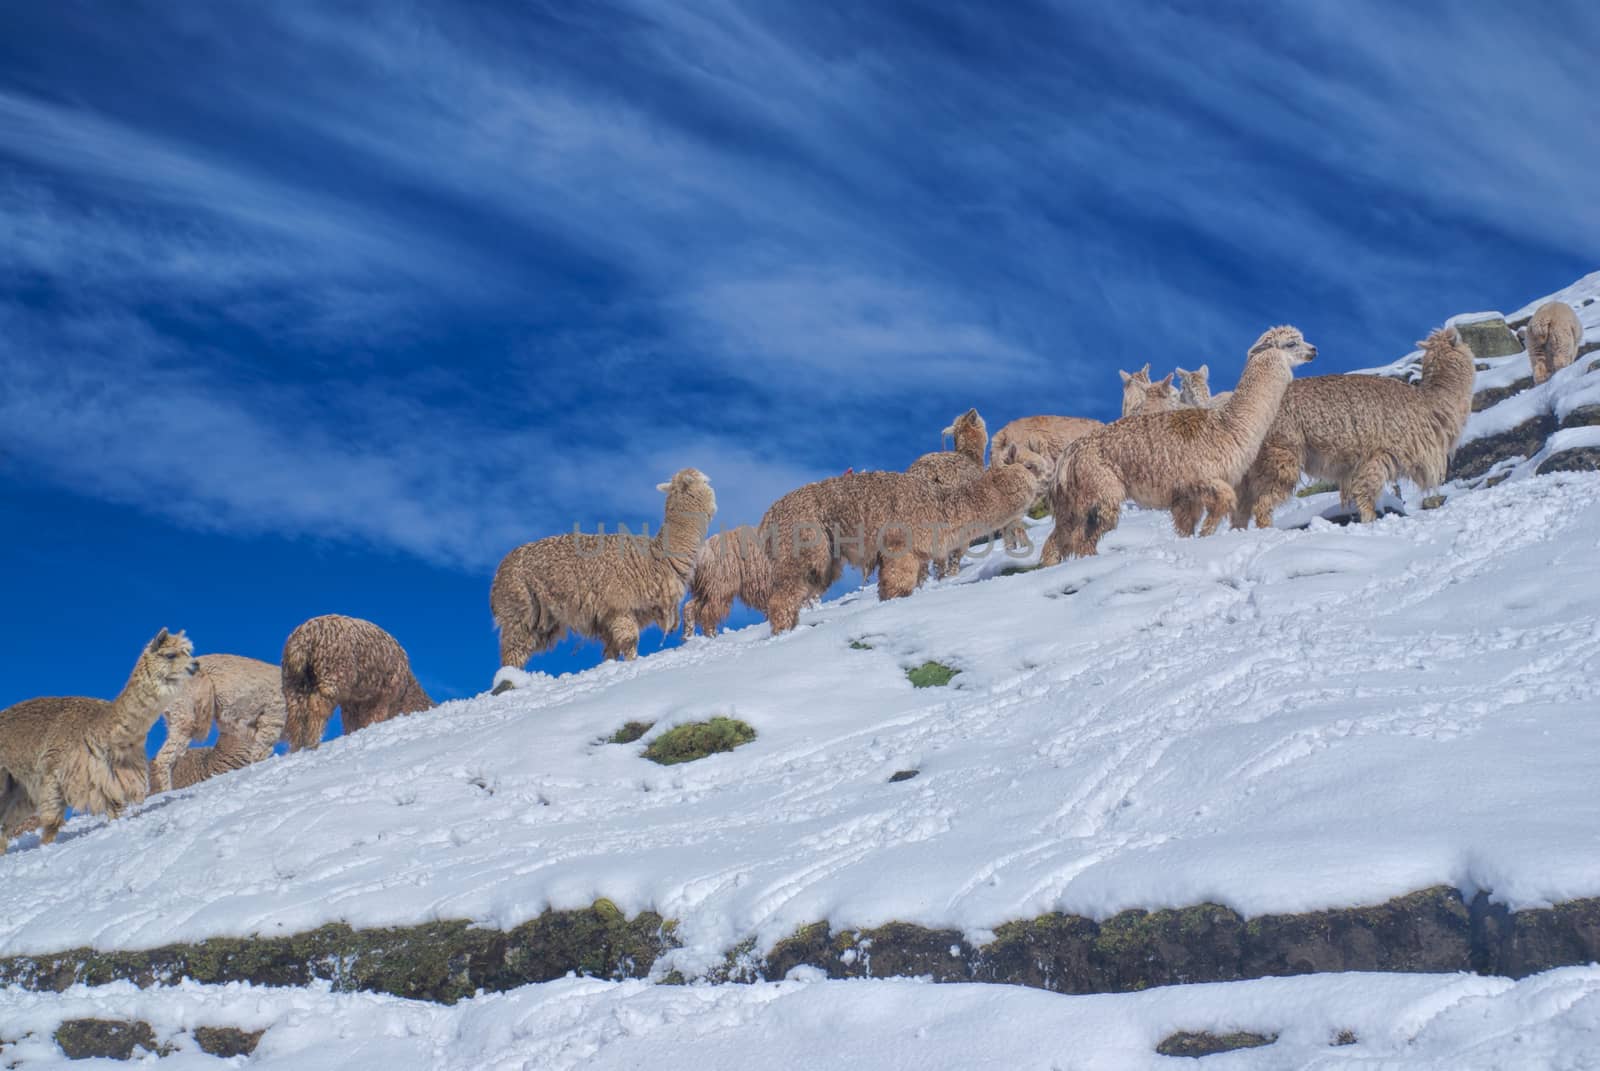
729 565
1552 338
243 696
893 522
949 469
1187 461
86 754
345 662
605 587
1047 436
1363 432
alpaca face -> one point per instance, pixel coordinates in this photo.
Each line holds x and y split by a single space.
1289 340
1193 382
968 432
169 659
693 490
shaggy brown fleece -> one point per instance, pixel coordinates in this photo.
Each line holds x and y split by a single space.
606 587
1552 338
345 662
729 565
243 696
1186 461
86 754
1363 432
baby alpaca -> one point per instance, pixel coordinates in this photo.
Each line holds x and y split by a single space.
1552 338
345 662
244 696
86 754
950 469
1186 461
892 522
729 565
1363 432
605 587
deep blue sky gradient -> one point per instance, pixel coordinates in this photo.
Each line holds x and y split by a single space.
312 307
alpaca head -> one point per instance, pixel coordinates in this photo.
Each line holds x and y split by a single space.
167 661
689 492
1442 341
969 432
1021 459
1199 379
1133 388
1287 339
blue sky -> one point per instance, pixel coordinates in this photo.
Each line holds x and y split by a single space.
311 307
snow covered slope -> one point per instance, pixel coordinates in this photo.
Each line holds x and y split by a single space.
1418 1022
1275 720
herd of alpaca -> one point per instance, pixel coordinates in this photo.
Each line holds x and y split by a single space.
1203 457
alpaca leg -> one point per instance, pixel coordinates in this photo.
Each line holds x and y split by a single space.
1218 499
52 812
1272 479
1102 517
307 716
516 642
713 612
1365 486
161 766
899 575
1186 510
691 618
622 637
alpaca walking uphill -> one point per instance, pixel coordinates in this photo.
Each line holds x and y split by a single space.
86 754
1552 338
243 697
1047 436
729 565
1186 461
949 469
604 587
1363 432
891 522
345 662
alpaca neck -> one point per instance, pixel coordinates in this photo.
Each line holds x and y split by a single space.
1249 413
682 531
137 707
971 446
1448 374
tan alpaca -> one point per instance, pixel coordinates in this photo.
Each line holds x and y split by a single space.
1552 338
893 522
345 662
729 565
1187 461
191 767
1047 436
605 587
1363 432
86 754
1194 390
951 468
243 696
1158 397
1133 388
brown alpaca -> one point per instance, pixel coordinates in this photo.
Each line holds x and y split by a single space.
1363 432
605 587
244 696
729 565
1186 461
893 522
1195 389
1552 338
86 754
345 662
1047 436
950 469
1133 388
1158 397
191 767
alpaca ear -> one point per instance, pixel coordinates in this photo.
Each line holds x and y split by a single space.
1145 371
664 487
161 637
1125 376
1202 371
1167 382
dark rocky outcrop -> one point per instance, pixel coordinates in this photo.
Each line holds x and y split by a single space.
1204 1043
1489 338
107 1039
1473 459
227 1041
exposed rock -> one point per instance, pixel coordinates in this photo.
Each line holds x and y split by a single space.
107 1039
1584 416
902 775
1477 457
502 688
1433 502
227 1041
1203 1043
1489 338
1483 399
1578 459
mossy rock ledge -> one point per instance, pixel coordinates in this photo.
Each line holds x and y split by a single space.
1431 931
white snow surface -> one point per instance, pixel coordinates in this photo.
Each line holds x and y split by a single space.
1275 720
1418 1022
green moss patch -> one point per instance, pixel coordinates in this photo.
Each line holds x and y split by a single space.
1039 510
931 675
857 645
106 1039
1013 570
227 1041
697 739
1317 488
1204 1043
630 732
